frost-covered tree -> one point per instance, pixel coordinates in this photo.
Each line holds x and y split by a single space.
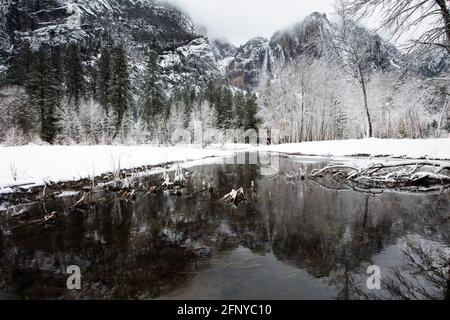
175 121
353 44
132 130
85 123
91 123
305 101
17 119
381 90
203 117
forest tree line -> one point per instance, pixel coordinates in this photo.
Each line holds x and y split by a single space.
52 96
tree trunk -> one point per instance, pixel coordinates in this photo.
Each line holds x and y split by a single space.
446 16
366 105
443 115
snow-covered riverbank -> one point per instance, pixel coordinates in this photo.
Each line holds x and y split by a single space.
40 164
436 149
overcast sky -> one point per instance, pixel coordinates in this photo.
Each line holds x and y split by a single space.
240 20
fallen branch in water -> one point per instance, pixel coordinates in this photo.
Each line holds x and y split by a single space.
20 215
406 175
298 174
234 197
84 201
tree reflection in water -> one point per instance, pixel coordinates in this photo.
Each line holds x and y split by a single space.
159 245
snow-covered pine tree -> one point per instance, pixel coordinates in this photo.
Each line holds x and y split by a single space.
56 61
239 112
103 81
251 109
225 109
120 83
75 86
153 99
43 88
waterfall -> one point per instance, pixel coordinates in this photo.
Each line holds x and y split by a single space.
265 67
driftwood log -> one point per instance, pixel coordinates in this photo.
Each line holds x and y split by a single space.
234 197
404 175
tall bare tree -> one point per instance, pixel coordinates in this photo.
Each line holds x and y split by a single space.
353 45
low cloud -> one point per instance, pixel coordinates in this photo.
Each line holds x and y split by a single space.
240 20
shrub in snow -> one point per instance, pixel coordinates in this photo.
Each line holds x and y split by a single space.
91 123
17 117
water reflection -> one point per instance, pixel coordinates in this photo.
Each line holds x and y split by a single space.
290 240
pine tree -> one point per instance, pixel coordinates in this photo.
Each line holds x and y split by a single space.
211 93
225 109
251 109
104 76
57 68
75 86
153 99
239 110
189 98
120 83
43 87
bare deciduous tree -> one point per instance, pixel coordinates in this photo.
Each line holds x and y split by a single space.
353 45
400 16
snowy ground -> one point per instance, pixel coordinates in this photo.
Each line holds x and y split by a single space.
437 149
40 164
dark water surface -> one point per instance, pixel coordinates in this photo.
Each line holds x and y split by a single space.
288 240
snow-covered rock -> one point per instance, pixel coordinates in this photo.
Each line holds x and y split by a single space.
193 63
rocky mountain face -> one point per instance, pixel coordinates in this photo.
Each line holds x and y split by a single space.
310 37
243 66
187 58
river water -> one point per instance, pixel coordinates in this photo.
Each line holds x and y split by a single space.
288 240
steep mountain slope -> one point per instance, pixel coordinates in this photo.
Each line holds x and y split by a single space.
244 66
135 23
311 37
